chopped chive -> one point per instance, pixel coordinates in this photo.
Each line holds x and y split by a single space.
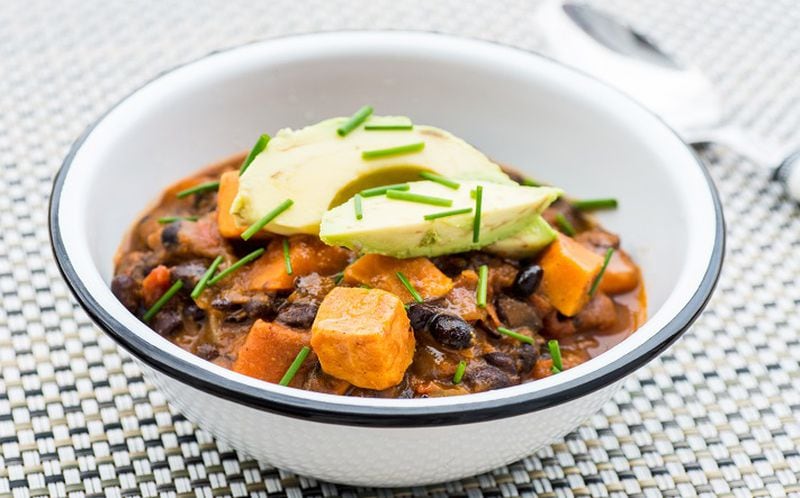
162 300
201 285
529 182
483 283
515 335
393 151
356 119
257 149
476 222
232 268
440 180
422 199
365 286
389 127
592 204
555 353
254 228
295 366
337 278
375 191
596 283
565 225
460 369
409 287
358 208
445 214
169 219
197 189
287 260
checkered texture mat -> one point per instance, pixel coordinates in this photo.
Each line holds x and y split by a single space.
718 414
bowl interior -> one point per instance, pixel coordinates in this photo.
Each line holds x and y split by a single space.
552 123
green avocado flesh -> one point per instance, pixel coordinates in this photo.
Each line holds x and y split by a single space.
318 169
525 243
398 228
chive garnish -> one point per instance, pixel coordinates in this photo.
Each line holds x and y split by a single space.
357 204
295 366
232 268
375 191
596 283
483 283
555 353
254 228
287 260
201 285
337 278
420 198
515 335
197 189
445 214
162 300
592 204
169 219
257 149
356 119
565 225
389 127
476 222
393 151
440 180
529 182
460 369
409 287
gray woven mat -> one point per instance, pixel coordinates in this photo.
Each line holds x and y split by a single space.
718 414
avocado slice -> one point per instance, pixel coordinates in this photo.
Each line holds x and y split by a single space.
398 228
525 243
318 169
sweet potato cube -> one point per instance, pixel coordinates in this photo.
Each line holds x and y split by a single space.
569 271
621 274
380 272
269 350
308 255
363 336
228 187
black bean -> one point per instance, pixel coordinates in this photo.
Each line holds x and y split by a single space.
194 312
190 273
526 358
420 314
169 235
300 315
527 280
448 330
451 331
501 360
126 290
166 321
486 377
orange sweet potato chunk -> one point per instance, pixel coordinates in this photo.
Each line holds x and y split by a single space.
228 188
620 276
380 272
569 271
155 284
363 336
308 255
269 350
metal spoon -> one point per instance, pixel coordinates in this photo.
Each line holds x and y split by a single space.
594 42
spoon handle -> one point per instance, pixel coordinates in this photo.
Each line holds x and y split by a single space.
782 161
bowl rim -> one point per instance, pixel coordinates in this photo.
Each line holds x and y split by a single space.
297 406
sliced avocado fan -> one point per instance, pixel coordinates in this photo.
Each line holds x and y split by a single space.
396 227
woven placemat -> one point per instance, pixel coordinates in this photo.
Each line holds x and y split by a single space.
718 414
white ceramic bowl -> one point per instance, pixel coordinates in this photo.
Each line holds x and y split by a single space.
521 109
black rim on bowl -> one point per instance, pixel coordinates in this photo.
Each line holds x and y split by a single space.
377 416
